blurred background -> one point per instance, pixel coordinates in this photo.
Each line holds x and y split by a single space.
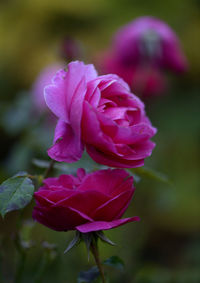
164 247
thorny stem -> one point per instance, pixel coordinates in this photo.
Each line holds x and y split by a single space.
95 252
48 170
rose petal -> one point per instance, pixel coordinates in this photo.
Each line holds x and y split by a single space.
104 181
103 225
65 98
91 131
41 198
107 126
66 181
85 202
133 134
109 82
76 110
60 218
112 160
93 94
76 72
81 173
52 181
67 147
55 96
143 149
60 195
112 208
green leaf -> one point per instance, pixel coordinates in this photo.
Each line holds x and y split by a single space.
151 174
115 262
40 163
89 275
20 174
15 193
74 242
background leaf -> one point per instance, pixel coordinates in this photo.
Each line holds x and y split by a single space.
89 275
15 193
115 262
145 172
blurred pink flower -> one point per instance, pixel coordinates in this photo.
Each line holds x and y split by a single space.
148 81
149 40
145 81
88 202
99 113
141 52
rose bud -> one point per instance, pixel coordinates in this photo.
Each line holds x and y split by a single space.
88 202
99 113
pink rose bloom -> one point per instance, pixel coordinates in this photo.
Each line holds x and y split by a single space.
148 39
100 113
86 203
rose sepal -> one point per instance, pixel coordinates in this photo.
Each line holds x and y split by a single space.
88 239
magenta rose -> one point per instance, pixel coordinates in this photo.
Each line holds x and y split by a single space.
88 202
99 113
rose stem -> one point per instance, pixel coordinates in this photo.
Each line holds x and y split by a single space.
95 252
48 170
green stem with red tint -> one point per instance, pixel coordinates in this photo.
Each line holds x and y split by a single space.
95 252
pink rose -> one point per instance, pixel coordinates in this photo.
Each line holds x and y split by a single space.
86 203
100 113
